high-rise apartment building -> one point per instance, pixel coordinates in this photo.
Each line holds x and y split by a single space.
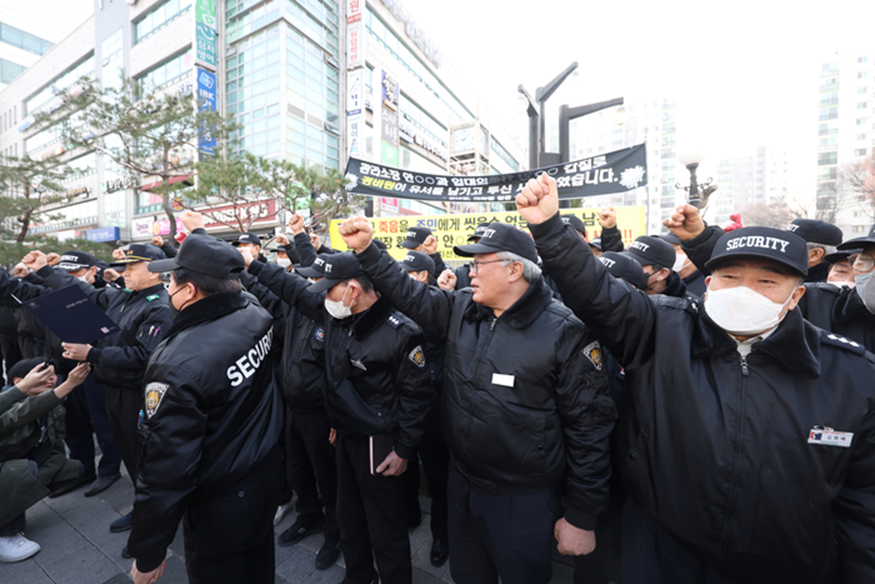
654 122
846 134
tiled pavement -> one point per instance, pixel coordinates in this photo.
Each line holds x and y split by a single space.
78 548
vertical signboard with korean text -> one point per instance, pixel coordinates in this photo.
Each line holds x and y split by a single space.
355 101
389 127
205 33
206 98
355 34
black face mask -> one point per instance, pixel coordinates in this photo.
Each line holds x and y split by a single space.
173 310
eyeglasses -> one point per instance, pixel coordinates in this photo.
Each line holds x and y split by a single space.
862 262
475 265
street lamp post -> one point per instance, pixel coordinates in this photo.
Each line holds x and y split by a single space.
696 198
566 114
535 111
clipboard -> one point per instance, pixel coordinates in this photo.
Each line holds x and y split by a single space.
72 315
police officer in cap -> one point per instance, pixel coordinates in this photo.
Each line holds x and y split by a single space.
750 448
142 313
210 427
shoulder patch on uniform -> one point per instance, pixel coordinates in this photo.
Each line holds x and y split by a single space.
593 352
394 321
417 356
319 334
154 395
152 297
828 338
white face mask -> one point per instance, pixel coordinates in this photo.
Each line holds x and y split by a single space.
336 308
741 311
283 262
866 289
679 262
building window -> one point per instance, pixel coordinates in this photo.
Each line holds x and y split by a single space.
158 18
858 229
166 73
862 105
861 121
862 59
46 97
24 41
862 74
9 71
860 152
827 158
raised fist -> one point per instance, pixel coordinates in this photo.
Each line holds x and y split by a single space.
191 220
608 218
357 233
447 280
539 200
685 222
296 223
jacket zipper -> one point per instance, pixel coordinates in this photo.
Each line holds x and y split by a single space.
733 497
484 346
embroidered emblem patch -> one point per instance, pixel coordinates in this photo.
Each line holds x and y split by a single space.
154 395
319 334
417 356
593 352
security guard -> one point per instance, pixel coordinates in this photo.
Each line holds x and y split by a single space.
210 427
751 452
821 238
378 392
526 407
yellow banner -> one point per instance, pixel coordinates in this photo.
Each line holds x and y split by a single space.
452 230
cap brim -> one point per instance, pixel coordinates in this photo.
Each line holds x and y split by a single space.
308 272
128 261
856 243
159 266
325 284
410 243
713 262
475 248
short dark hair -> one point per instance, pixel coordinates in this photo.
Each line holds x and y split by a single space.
366 285
206 285
22 368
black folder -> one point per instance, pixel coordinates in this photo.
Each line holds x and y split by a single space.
72 315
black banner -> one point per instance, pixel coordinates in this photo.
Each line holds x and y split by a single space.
614 172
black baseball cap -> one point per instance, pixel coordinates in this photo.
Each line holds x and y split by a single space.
816 231
596 243
478 233
783 247
575 222
314 270
74 260
205 255
139 252
501 237
246 238
416 236
416 261
859 242
622 265
840 256
338 267
652 251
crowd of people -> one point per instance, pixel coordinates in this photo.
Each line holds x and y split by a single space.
697 407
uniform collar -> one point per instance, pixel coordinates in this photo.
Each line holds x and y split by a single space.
523 312
370 319
206 310
795 343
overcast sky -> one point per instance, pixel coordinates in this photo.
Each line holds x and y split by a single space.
744 73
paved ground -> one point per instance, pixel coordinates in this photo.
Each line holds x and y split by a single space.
78 548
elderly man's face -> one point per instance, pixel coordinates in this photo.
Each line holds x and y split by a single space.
490 277
765 277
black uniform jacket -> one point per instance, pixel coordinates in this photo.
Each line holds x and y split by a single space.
526 400
212 414
143 318
377 379
727 453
